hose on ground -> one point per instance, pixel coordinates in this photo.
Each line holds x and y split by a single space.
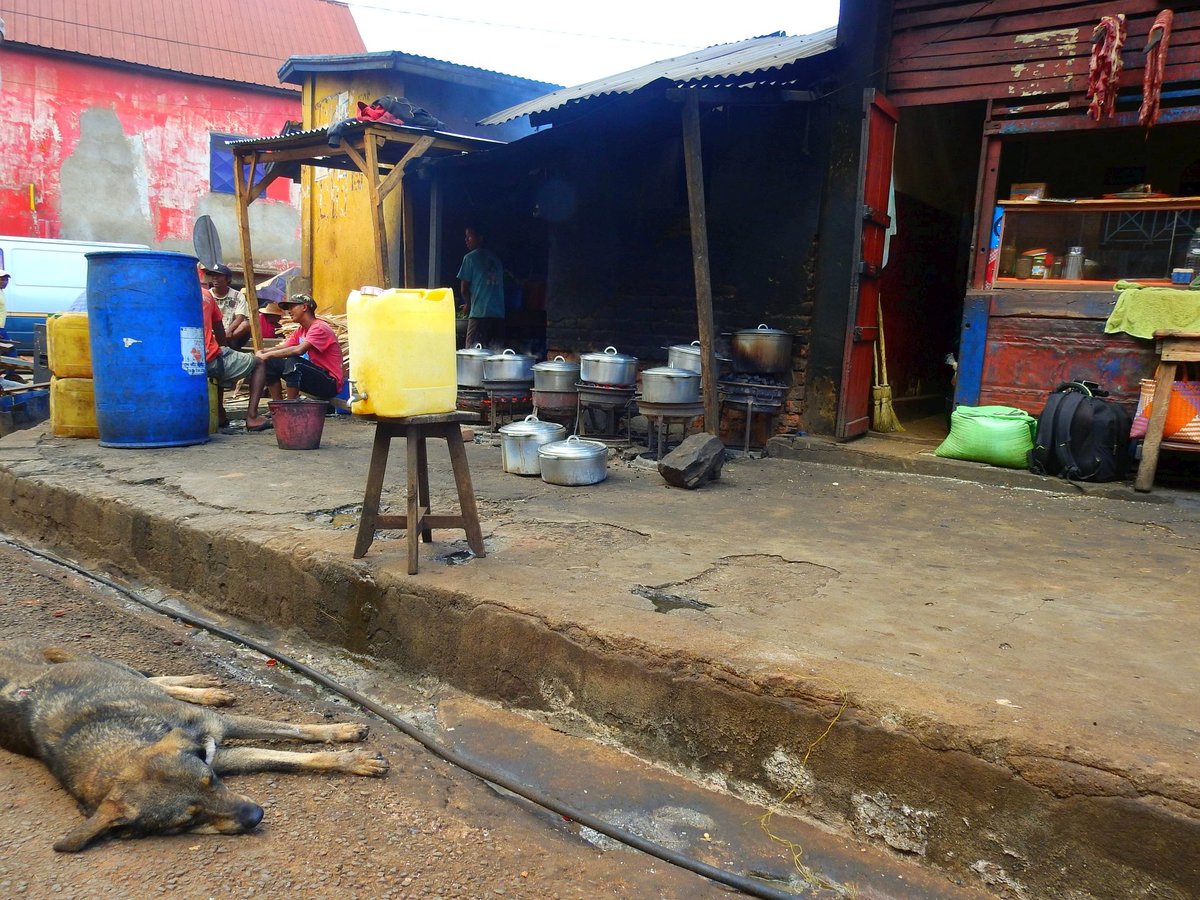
493 776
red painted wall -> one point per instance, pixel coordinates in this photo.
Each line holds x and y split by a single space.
167 119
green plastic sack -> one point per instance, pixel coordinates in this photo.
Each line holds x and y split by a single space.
996 435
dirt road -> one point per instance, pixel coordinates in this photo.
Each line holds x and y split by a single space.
426 830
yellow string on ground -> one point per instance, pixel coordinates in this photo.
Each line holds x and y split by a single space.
764 821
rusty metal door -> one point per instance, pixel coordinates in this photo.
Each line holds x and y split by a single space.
874 188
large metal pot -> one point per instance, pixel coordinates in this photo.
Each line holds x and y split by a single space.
608 367
763 350
469 362
684 356
668 384
556 375
508 366
573 462
519 443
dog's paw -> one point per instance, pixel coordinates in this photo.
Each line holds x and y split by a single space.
366 762
347 732
215 697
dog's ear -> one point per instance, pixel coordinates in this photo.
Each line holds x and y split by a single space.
109 815
57 655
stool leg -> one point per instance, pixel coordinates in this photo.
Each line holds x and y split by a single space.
370 510
423 486
413 523
466 492
1154 430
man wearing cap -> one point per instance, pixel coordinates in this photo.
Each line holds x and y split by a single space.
234 310
320 375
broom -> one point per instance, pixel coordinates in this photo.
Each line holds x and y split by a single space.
885 417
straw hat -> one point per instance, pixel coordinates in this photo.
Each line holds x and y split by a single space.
272 309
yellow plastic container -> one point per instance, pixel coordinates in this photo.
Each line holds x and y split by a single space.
67 345
402 352
73 408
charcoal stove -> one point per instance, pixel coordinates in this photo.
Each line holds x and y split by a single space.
602 407
506 401
556 406
761 396
663 416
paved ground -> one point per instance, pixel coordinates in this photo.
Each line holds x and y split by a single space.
1008 668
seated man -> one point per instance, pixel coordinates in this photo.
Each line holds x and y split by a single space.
320 375
224 365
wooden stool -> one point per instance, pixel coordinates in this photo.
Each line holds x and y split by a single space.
1174 347
419 520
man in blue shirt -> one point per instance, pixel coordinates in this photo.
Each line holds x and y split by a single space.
481 280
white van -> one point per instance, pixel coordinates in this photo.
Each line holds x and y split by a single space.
47 276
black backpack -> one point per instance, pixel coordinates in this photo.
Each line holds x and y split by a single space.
1080 436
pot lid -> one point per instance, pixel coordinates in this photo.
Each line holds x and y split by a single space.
761 329
508 354
693 348
477 350
532 425
608 353
573 448
671 372
558 364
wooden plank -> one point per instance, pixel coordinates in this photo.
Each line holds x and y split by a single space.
1053 304
694 170
416 151
959 15
261 186
989 168
1077 122
242 199
407 239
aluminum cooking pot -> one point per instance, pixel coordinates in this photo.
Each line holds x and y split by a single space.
519 443
609 367
508 366
573 462
667 384
763 350
469 362
556 375
684 356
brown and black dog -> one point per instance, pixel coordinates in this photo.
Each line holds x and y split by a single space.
137 758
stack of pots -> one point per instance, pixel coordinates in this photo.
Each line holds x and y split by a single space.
520 441
555 384
608 368
469 362
762 351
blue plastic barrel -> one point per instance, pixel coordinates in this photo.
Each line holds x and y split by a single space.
147 338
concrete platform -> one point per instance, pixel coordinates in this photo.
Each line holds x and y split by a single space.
992 672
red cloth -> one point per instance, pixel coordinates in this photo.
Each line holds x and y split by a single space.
266 328
376 113
323 349
212 313
1104 70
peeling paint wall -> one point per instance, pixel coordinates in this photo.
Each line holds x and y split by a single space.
92 152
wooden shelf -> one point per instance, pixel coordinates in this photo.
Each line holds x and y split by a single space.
1101 205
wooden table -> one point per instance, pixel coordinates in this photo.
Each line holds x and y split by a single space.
419 519
1174 347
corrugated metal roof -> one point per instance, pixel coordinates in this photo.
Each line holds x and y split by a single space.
297 67
724 61
242 41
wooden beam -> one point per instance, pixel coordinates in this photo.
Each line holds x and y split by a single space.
408 227
694 166
243 199
258 189
393 178
378 227
435 231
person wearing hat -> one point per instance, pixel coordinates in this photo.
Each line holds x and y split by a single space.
268 319
234 310
224 365
320 375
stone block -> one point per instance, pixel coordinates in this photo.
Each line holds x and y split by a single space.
694 462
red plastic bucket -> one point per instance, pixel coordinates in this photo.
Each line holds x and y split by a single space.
298 423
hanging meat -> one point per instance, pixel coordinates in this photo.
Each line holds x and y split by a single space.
1104 71
1156 61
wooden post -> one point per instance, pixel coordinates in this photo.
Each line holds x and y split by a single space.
694 167
243 199
378 229
407 225
435 231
